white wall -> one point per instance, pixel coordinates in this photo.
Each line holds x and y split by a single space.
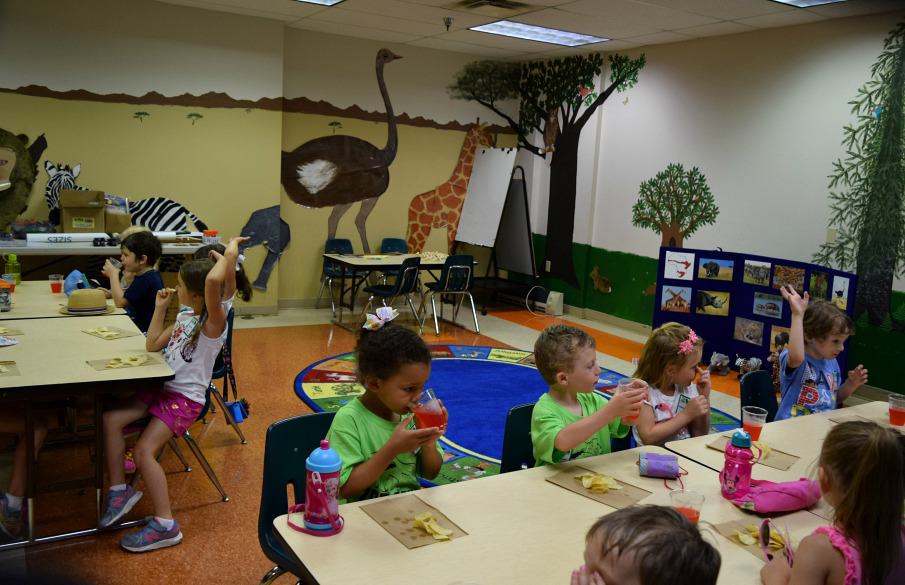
761 114
137 46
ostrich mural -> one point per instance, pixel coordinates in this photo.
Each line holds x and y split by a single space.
340 170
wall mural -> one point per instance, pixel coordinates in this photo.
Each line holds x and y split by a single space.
547 90
441 207
338 170
18 170
265 226
675 204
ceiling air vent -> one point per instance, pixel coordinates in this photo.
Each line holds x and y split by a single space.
492 8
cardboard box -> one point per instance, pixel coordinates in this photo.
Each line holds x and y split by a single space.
82 211
117 222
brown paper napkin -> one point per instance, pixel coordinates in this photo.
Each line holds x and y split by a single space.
628 496
775 458
728 529
397 516
101 365
11 369
110 333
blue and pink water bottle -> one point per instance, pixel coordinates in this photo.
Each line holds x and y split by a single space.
735 478
322 491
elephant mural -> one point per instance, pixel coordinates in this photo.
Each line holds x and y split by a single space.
266 226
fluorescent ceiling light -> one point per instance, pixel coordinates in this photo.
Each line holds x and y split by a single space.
808 3
321 2
519 30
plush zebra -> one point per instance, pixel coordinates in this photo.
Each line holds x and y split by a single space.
158 214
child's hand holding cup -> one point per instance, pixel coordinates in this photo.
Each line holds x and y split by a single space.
429 411
635 391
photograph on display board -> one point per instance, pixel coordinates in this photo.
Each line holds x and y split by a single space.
840 292
679 266
676 299
748 331
712 302
779 338
756 272
789 275
767 305
820 285
715 268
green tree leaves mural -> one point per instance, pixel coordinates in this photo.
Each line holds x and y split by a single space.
675 204
868 203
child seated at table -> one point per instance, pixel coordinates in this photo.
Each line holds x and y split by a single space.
676 408
647 545
810 379
190 347
570 421
13 510
382 451
140 252
862 476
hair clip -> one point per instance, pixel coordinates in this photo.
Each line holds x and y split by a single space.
384 315
687 346
239 261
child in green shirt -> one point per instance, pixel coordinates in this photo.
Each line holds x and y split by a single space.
570 421
381 450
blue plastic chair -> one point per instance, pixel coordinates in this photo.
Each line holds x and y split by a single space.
331 270
287 445
394 246
223 368
455 279
406 283
757 390
518 451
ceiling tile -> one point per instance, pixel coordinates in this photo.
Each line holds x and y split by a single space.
724 9
447 45
716 29
273 9
781 19
600 26
639 13
413 11
362 19
348 30
659 38
498 41
856 7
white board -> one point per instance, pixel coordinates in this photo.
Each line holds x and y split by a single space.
486 196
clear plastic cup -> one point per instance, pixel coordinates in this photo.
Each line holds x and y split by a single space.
897 410
428 411
625 385
116 262
56 283
687 503
753 420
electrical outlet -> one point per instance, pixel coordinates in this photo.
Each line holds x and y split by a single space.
547 266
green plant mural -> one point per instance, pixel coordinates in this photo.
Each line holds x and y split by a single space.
675 204
194 117
868 199
140 116
335 125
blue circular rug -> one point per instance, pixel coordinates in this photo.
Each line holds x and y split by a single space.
477 384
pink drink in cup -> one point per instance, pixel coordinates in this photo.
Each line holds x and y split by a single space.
428 412
626 385
753 419
897 410
687 503
56 283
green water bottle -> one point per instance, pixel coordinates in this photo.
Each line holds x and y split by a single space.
12 267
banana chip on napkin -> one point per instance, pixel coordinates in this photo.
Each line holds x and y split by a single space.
763 448
4 370
104 332
426 522
751 533
127 361
598 483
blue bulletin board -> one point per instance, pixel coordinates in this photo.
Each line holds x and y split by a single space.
733 301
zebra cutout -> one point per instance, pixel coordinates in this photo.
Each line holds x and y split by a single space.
158 214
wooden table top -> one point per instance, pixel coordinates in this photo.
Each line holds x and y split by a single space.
33 300
55 352
521 529
378 261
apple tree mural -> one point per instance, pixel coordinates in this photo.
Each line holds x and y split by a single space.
675 204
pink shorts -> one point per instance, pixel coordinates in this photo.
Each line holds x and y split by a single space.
175 410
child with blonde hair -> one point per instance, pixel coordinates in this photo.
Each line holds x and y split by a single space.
862 475
809 375
570 421
676 407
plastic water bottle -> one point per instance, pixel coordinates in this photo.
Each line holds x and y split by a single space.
322 490
735 478
13 267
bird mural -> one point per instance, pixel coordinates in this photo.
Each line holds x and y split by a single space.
338 170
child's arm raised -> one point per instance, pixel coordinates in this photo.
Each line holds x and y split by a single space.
656 433
116 288
621 405
232 254
213 287
798 305
403 440
158 335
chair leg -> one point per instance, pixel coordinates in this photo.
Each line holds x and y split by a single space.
272 575
434 309
204 464
332 298
456 308
364 311
415 314
175 447
229 416
317 303
474 313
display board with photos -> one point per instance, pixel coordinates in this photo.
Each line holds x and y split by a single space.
733 300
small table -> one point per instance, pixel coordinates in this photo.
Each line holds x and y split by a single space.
51 357
521 529
33 300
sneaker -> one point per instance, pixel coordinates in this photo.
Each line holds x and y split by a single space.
118 504
10 521
129 462
151 537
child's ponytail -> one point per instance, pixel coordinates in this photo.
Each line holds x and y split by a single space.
194 274
243 285
866 466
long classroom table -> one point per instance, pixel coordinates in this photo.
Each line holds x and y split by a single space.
33 300
521 529
51 358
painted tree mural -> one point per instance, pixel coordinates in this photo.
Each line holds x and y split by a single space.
675 204
868 209
551 93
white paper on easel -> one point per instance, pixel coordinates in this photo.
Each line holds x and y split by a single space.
486 196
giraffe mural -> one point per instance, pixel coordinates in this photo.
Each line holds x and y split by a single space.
441 207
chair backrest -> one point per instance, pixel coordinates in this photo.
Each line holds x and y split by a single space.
456 274
518 450
219 363
336 246
394 245
757 390
407 277
288 443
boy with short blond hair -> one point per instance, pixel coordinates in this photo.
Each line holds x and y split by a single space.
570 421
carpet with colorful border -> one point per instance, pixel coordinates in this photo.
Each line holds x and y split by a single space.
477 384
